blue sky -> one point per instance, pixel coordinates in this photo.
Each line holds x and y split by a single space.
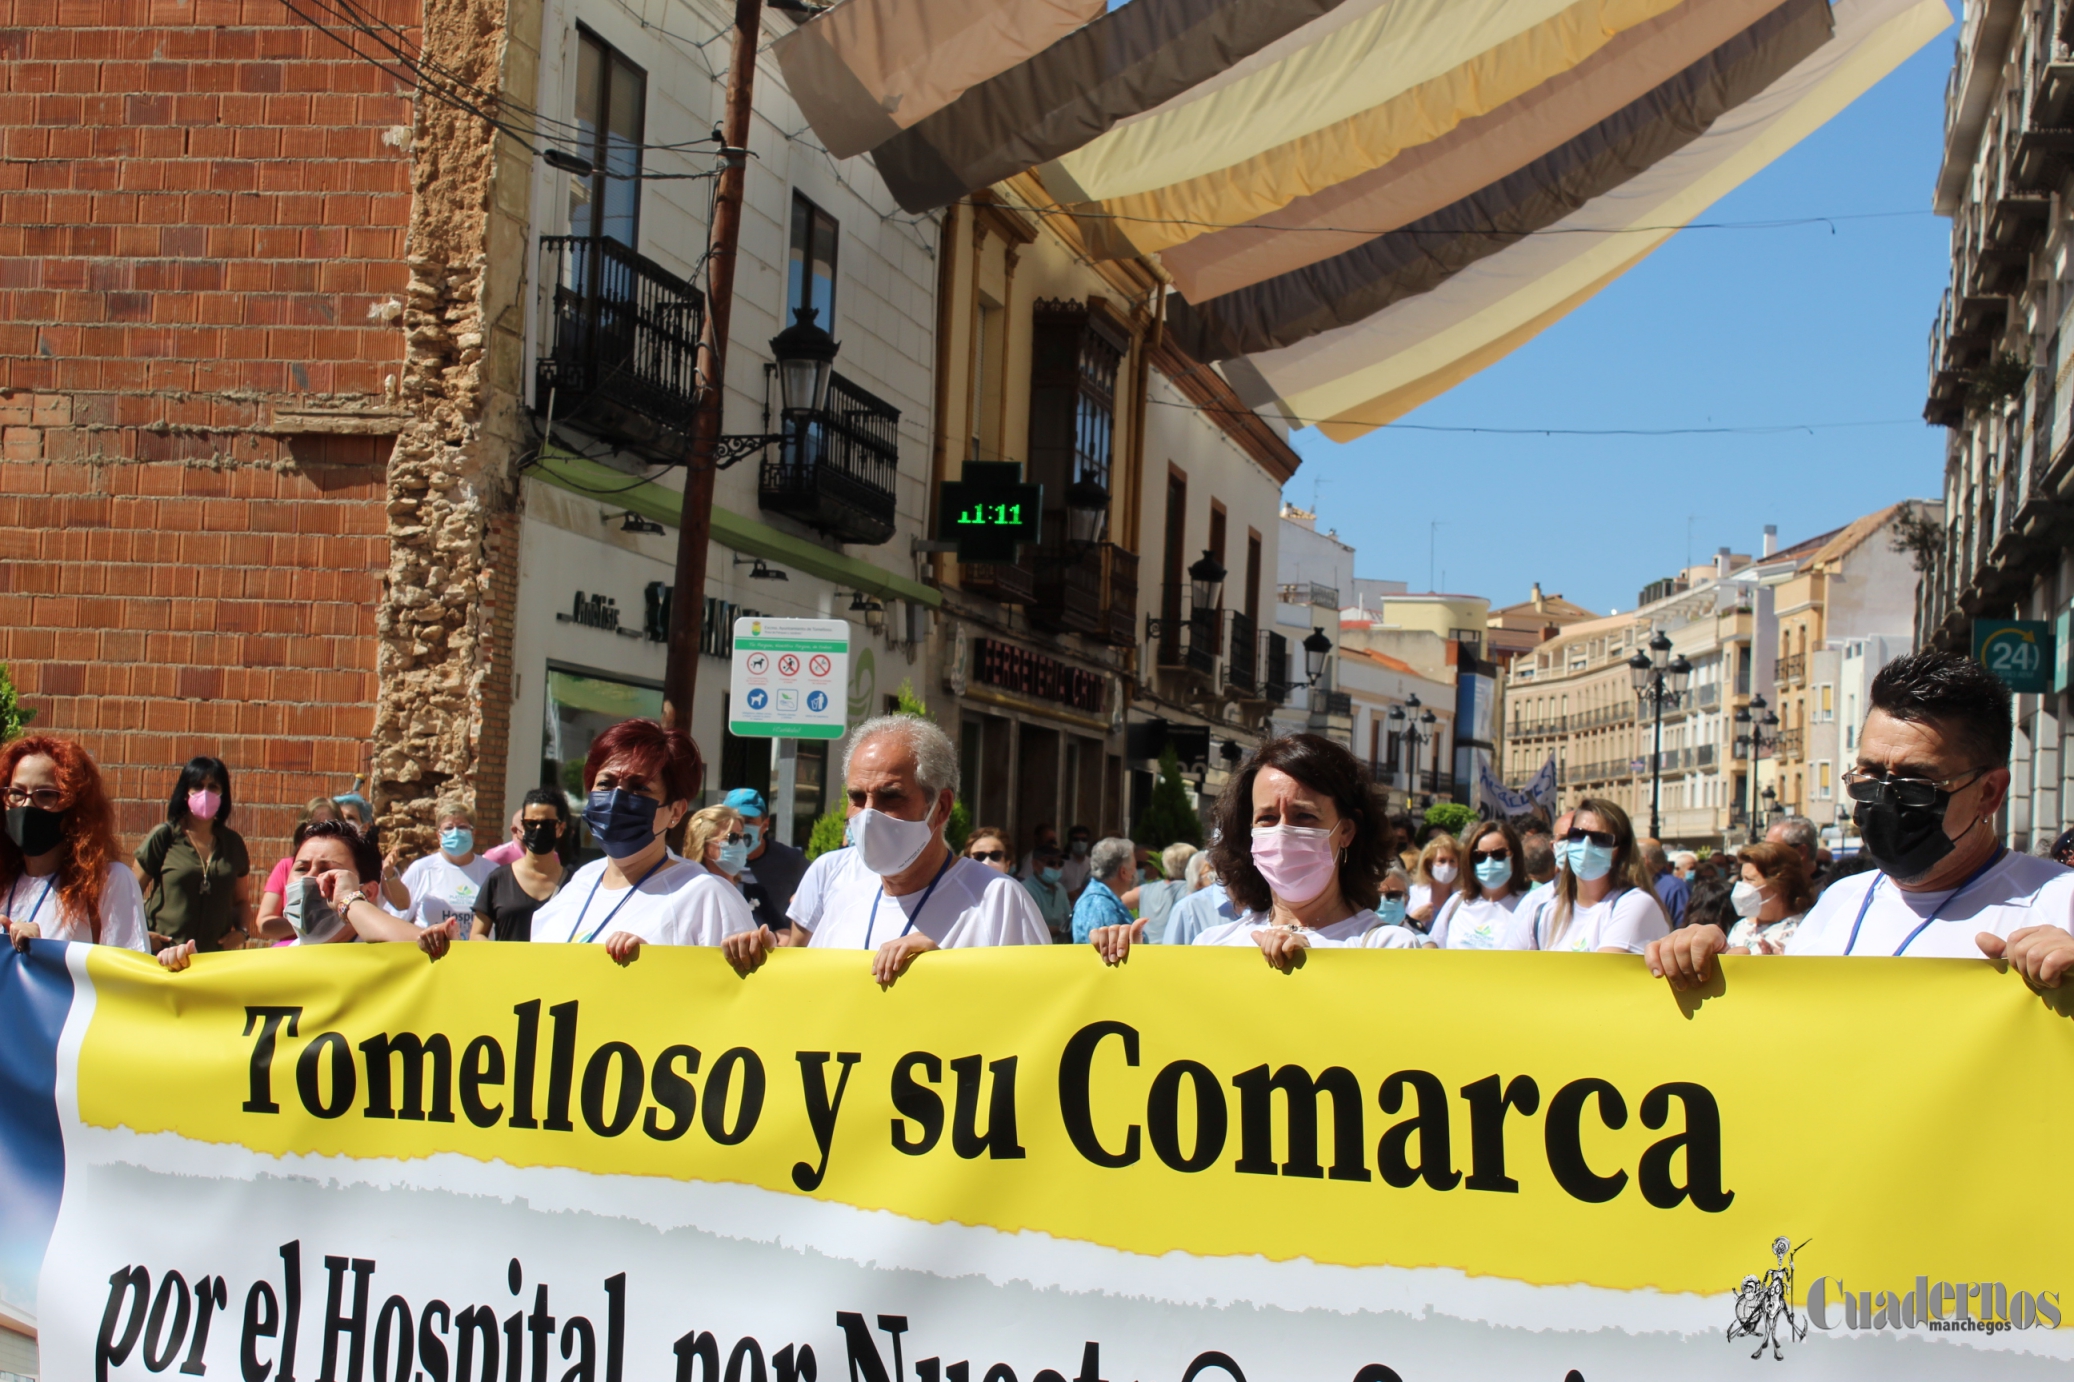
1719 327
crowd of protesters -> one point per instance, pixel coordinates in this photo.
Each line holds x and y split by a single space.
1300 858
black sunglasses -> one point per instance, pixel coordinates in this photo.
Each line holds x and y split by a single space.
1602 838
991 856
1916 792
1478 856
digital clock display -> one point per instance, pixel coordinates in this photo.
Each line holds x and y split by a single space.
990 511
991 516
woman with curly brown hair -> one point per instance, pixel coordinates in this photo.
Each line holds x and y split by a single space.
1302 848
60 868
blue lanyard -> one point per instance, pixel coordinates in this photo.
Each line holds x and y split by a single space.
616 906
1949 898
917 914
40 898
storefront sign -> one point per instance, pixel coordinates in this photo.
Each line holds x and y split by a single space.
529 1162
596 612
789 678
2017 651
1033 674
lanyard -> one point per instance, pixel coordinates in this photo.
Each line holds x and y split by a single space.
40 897
1949 898
917 914
615 906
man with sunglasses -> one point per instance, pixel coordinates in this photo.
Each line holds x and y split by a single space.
1931 776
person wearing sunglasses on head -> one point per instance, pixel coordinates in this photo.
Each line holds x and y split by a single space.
1302 850
1932 775
1602 899
715 838
639 779
1479 916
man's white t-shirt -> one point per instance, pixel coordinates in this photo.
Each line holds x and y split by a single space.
1363 929
971 905
440 888
1625 920
122 910
681 903
1479 923
811 896
2017 891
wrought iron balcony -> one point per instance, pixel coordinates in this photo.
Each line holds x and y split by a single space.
1012 583
1069 582
837 468
1274 680
1793 669
1186 643
619 346
1242 658
1119 596
1334 703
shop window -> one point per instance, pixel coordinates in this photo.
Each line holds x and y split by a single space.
611 115
581 705
810 270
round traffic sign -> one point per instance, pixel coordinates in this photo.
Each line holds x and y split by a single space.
759 663
788 666
819 665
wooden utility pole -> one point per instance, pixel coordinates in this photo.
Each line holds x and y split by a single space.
695 523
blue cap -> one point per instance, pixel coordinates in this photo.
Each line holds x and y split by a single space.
746 801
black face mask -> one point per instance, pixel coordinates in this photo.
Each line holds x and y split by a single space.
539 836
1907 842
34 830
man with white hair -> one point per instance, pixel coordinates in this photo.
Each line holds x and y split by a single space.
899 890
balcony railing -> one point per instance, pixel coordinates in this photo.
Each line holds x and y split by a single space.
1793 669
1187 642
1340 703
1790 743
1069 582
837 468
1242 656
1010 582
619 348
1119 596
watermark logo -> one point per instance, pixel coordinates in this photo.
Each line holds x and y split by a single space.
1764 1305
1935 1307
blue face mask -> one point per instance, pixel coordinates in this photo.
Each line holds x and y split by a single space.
623 822
735 857
1051 876
1391 910
1494 873
1590 862
457 840
1562 855
753 835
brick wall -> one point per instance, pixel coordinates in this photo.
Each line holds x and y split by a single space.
202 213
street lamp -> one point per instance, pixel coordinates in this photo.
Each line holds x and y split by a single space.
1406 726
1316 648
1756 730
1771 804
805 356
1660 681
1087 516
874 613
1206 581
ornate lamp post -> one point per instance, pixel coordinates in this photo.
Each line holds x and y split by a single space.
1756 731
1660 681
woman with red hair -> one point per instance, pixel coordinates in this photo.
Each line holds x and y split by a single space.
61 872
641 779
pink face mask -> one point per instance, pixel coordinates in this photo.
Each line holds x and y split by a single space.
1298 863
202 805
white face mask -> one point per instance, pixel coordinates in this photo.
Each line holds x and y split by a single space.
888 844
1443 872
304 907
1746 897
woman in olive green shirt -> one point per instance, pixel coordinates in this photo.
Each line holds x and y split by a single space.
194 869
